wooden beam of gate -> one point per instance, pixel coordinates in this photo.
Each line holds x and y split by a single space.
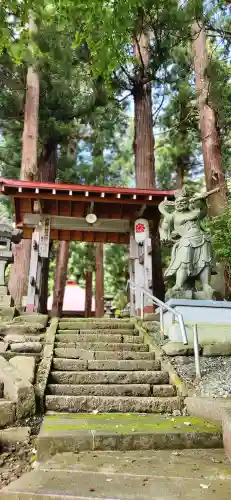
79 224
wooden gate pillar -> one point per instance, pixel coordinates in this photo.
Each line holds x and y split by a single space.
34 273
140 268
39 249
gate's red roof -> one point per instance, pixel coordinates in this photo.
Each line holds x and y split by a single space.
31 185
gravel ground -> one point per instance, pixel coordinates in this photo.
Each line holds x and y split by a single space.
215 370
215 373
21 457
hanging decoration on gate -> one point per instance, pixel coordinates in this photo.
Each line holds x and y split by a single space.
141 230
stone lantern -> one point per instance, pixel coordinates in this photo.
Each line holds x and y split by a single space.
8 235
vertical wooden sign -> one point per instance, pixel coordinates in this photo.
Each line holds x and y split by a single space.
45 237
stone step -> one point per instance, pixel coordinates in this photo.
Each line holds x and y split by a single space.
74 338
124 355
73 353
104 377
95 325
122 404
163 391
129 475
130 339
102 390
103 346
140 474
66 364
127 365
7 412
105 331
62 432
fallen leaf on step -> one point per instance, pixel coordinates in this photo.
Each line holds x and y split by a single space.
204 486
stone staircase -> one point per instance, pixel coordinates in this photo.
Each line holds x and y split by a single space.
105 366
103 436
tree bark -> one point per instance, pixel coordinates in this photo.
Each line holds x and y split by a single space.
157 268
18 281
143 122
180 171
60 278
144 147
88 293
209 128
182 160
47 166
47 163
63 249
99 281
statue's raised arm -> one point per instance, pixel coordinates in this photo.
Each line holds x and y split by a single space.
167 225
198 205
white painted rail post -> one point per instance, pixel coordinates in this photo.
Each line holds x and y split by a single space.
196 352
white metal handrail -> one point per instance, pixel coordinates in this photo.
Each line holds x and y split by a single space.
165 307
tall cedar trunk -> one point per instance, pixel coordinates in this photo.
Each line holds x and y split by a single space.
62 258
180 171
98 159
157 270
47 163
47 166
88 293
99 281
182 160
90 258
144 147
60 278
143 125
210 133
18 281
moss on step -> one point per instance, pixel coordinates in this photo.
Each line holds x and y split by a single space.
127 423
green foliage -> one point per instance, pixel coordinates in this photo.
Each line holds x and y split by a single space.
116 268
177 149
220 228
84 55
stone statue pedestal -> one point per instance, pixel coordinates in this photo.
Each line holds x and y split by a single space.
213 319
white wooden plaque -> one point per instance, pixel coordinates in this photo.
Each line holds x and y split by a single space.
44 237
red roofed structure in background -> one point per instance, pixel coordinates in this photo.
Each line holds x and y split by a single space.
68 205
74 300
71 212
